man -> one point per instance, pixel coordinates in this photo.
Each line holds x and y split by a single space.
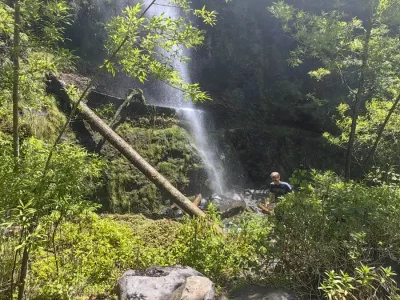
278 188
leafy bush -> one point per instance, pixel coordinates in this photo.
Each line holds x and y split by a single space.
330 225
222 257
32 200
93 251
367 283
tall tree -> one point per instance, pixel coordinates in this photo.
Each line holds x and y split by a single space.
356 46
35 31
358 96
15 59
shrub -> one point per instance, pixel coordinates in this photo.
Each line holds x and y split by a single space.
37 202
331 224
92 254
222 257
93 251
367 283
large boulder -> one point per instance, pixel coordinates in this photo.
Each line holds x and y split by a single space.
254 292
228 204
164 283
254 197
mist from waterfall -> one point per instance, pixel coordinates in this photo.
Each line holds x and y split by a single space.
186 110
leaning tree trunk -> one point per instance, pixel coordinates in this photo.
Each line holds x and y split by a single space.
122 146
15 59
357 101
381 129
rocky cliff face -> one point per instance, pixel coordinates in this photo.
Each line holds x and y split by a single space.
264 120
158 136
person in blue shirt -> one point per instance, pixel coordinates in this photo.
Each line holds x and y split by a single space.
278 188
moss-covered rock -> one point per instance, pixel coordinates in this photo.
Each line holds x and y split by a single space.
167 147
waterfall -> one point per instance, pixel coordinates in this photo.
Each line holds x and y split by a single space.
186 110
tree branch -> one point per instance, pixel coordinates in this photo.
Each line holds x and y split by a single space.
90 84
381 129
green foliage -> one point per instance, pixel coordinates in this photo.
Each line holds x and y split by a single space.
61 187
45 21
94 251
329 225
367 283
367 130
341 42
7 253
6 20
31 200
379 176
42 29
319 74
92 254
138 40
106 112
209 17
220 257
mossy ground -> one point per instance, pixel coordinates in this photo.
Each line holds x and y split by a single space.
94 251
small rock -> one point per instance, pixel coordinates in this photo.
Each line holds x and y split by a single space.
173 212
203 204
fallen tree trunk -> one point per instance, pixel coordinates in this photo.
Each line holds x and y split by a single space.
125 149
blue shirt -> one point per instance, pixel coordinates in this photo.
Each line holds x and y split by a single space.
280 189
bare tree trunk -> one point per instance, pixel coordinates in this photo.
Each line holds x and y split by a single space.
381 129
24 272
357 100
15 59
21 236
134 157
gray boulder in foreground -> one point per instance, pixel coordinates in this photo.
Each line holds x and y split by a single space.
164 283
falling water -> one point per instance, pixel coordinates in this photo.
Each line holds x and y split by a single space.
186 110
